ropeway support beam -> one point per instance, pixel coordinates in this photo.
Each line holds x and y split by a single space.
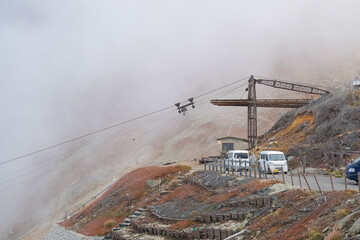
252 103
291 86
270 103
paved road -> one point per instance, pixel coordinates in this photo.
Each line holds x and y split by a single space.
324 182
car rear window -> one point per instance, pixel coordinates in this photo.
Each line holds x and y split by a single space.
241 155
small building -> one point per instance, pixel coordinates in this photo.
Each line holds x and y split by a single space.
226 144
356 83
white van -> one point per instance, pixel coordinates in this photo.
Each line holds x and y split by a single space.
237 159
274 161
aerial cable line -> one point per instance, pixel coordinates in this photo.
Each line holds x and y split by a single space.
87 147
203 101
111 137
77 161
227 85
223 93
84 136
110 127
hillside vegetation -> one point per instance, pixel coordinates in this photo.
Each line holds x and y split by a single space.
118 202
322 134
212 202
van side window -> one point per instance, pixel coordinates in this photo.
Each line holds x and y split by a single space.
262 156
266 157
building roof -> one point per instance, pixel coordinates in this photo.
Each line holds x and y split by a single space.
230 137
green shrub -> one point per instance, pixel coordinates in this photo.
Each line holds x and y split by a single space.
109 223
340 213
314 235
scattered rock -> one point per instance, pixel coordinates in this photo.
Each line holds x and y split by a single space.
355 228
137 213
348 219
141 209
124 224
290 219
357 237
326 229
350 202
153 183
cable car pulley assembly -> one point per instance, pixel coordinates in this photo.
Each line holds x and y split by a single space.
183 109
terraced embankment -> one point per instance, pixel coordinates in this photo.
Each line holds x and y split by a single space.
211 205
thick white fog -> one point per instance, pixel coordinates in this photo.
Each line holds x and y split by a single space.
68 68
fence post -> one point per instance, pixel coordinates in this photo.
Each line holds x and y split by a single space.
265 170
346 188
232 166
331 181
221 169
245 170
255 170
259 168
228 166
250 169
272 173
292 179
299 179
306 182
204 164
317 183
216 164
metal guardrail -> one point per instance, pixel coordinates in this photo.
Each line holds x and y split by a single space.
241 167
252 169
70 214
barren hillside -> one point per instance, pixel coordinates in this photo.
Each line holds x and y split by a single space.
324 133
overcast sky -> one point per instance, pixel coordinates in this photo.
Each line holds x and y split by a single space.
71 67
68 67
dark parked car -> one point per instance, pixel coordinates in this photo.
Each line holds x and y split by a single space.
352 169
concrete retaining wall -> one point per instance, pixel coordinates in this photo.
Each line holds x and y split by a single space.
208 233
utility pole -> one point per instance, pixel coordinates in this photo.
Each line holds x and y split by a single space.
252 114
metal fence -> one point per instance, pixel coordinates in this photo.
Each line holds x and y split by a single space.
252 169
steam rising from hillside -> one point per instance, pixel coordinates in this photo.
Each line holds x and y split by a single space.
72 67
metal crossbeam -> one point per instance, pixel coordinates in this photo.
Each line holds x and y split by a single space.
291 86
270 103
